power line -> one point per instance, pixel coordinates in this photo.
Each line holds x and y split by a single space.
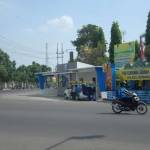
22 52
31 56
18 45
19 49
27 54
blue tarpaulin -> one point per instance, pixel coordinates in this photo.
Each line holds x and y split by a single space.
41 80
113 77
101 78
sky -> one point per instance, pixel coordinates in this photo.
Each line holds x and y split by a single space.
26 25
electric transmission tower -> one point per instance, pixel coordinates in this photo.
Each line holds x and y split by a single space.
46 54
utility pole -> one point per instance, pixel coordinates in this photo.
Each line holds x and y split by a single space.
57 54
123 35
46 54
62 53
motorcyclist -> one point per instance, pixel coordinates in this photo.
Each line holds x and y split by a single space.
124 95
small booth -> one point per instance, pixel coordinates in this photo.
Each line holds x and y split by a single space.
55 83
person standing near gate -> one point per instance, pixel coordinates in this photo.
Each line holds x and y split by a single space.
93 89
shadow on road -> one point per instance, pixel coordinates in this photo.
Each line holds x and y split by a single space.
124 114
90 137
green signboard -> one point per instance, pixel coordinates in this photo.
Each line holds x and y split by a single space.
124 54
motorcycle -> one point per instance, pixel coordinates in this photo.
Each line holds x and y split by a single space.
136 105
79 96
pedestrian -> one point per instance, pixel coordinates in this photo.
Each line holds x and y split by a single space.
93 89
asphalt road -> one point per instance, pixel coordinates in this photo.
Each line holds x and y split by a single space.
35 123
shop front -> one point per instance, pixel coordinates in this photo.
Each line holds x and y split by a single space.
135 73
138 80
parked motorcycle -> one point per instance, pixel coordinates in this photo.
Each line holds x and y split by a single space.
79 92
136 105
68 94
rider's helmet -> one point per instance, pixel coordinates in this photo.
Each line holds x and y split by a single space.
123 84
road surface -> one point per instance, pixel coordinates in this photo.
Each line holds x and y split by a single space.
35 123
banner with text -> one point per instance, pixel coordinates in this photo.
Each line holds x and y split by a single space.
136 74
124 54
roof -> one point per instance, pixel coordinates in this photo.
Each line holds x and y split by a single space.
81 65
52 73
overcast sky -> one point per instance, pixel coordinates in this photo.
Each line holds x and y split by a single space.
26 25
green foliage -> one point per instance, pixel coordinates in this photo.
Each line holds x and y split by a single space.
147 35
147 52
147 39
9 72
90 44
88 35
27 73
94 56
116 38
21 74
137 50
6 67
3 73
34 68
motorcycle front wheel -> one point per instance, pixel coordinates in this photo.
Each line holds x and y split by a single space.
116 108
141 108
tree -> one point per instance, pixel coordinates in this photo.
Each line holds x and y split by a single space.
6 66
22 74
147 38
88 35
137 50
3 74
98 55
116 38
35 68
45 68
147 34
90 43
147 52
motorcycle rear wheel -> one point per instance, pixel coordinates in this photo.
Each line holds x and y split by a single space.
141 108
